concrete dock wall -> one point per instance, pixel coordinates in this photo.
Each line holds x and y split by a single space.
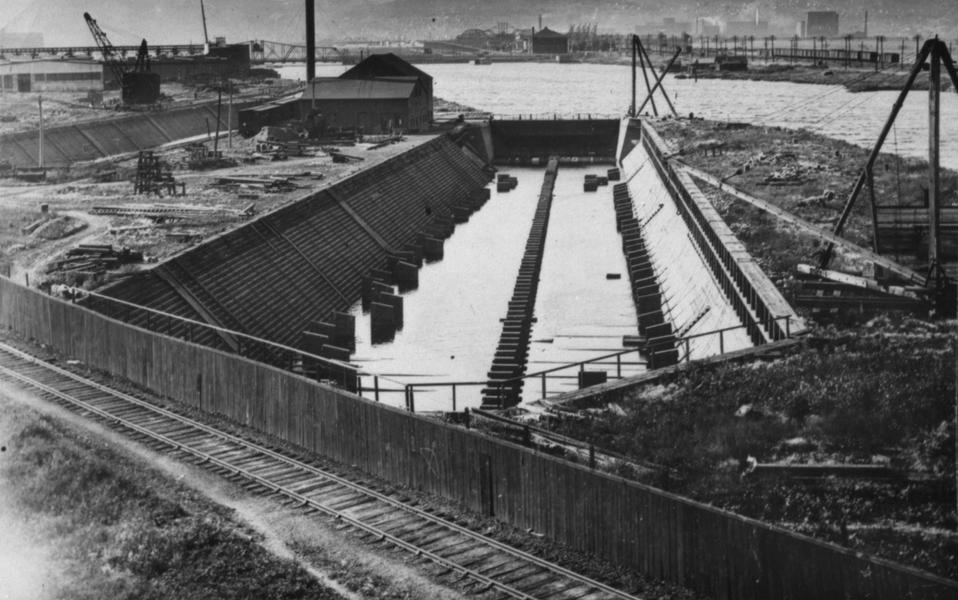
68 144
532 142
692 299
272 276
759 305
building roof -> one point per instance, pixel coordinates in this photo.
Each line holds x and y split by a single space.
59 61
384 64
545 32
333 88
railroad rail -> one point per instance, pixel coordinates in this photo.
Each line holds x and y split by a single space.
493 567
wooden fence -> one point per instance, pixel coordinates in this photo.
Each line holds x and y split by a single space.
685 542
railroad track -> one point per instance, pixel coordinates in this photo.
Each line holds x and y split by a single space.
494 569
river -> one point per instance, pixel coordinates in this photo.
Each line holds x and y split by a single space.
565 89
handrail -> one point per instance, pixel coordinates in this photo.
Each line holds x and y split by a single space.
76 293
647 347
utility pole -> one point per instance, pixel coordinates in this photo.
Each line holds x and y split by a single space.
229 117
310 40
40 145
934 132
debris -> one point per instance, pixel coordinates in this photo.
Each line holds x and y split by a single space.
748 411
95 258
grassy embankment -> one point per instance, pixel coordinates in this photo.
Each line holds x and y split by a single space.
112 528
862 390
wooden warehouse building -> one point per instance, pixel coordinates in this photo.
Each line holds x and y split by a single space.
389 65
376 105
549 42
51 75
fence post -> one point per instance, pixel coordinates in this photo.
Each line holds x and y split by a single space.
721 341
788 326
688 351
467 417
454 397
376 386
618 366
543 385
359 385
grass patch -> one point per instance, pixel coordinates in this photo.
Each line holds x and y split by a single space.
885 392
125 532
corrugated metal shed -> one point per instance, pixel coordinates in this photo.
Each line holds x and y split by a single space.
393 88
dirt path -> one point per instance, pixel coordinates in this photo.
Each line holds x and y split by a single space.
349 567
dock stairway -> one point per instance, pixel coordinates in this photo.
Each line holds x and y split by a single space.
658 333
509 364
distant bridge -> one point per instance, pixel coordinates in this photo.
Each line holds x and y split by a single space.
264 51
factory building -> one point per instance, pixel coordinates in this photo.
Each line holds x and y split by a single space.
549 42
377 105
389 66
51 75
222 62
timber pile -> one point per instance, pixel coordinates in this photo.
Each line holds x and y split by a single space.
95 258
170 212
265 183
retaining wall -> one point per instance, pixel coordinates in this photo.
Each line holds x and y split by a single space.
755 299
274 275
572 141
692 300
67 144
669 537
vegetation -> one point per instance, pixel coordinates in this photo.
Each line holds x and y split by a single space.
884 394
122 532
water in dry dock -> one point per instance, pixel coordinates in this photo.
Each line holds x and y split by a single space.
452 320
580 312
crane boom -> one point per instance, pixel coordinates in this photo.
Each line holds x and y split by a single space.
106 48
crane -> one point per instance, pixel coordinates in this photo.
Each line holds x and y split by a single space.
138 85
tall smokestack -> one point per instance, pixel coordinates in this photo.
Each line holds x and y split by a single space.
310 40
866 23
540 22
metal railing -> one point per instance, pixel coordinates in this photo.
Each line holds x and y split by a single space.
557 117
652 347
351 377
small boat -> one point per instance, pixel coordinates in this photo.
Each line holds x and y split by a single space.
480 61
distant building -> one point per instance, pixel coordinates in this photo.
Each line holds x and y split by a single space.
822 24
51 75
389 65
476 38
371 105
547 41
